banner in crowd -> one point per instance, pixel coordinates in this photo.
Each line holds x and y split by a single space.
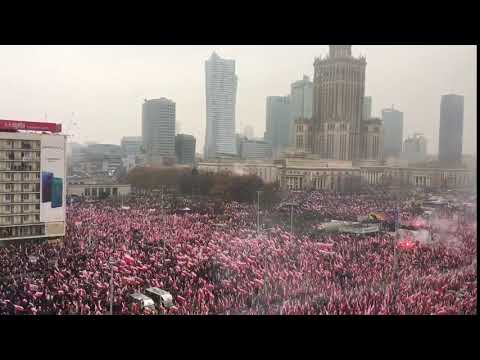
422 236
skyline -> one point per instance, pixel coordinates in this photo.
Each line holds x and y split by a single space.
110 83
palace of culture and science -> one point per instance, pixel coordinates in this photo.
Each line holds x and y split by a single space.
337 145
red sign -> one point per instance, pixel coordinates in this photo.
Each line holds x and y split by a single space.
29 125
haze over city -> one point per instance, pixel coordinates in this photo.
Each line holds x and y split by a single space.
104 86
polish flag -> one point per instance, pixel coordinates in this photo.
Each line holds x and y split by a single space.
128 259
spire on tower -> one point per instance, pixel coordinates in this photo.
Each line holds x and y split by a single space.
340 50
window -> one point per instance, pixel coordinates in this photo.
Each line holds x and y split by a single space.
37 206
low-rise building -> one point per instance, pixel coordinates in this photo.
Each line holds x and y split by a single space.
253 149
98 191
311 173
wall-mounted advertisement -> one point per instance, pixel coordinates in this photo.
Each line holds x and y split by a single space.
52 181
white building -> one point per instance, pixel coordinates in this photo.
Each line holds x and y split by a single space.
254 149
415 148
158 130
221 91
32 185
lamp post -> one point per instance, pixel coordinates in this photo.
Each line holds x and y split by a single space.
291 216
258 211
111 285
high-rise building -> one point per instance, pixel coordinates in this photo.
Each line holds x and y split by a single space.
367 108
185 149
301 99
131 145
338 91
221 91
415 148
278 123
248 132
301 103
158 130
393 132
451 128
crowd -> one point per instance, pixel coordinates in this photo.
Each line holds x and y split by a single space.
214 262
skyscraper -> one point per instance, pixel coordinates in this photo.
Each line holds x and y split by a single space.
278 123
301 97
221 91
451 128
158 130
367 107
338 91
301 103
393 132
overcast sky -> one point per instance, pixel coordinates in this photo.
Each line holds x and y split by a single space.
104 86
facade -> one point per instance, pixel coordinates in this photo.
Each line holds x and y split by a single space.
367 108
32 185
418 177
221 92
131 145
278 123
338 92
371 142
185 149
313 173
303 135
158 130
393 132
251 149
268 171
415 149
451 128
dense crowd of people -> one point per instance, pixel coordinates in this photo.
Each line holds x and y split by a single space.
213 261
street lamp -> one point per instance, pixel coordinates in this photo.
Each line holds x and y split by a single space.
111 261
258 211
291 215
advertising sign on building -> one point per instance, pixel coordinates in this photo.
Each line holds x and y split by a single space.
52 179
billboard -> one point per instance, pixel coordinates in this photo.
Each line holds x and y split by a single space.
29 125
52 179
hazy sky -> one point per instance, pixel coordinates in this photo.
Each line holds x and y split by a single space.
104 86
